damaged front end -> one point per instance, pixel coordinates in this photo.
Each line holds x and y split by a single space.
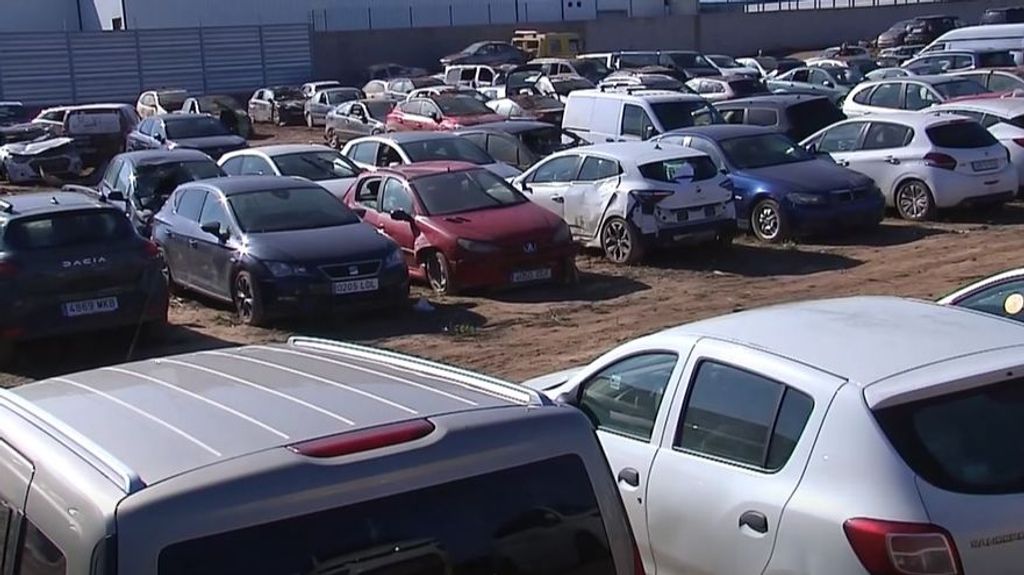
26 162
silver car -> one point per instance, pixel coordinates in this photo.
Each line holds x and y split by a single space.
356 119
857 436
323 101
320 164
310 457
400 148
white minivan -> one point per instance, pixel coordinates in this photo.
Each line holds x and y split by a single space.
998 36
600 116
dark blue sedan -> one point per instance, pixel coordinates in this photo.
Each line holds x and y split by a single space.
276 246
781 190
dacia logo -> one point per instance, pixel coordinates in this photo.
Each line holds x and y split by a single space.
353 270
68 264
530 248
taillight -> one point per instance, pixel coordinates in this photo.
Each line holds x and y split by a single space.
937 160
365 439
891 548
7 270
151 249
650 196
638 561
1019 142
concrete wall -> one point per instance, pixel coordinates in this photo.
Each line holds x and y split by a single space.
41 15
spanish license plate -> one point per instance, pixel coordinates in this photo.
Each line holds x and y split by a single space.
90 307
983 165
531 275
356 286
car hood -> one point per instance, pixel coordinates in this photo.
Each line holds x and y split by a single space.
701 71
818 175
523 222
321 244
211 142
459 57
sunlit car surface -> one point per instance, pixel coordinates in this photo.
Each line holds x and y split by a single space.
319 164
388 150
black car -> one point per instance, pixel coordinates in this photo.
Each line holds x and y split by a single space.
276 247
12 113
190 131
520 143
1009 15
141 182
488 53
686 64
70 263
895 35
796 115
926 29
281 105
15 125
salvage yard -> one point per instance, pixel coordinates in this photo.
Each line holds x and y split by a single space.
522 333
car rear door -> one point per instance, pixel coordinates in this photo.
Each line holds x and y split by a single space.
883 155
736 440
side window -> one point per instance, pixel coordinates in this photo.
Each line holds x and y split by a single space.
479 139
882 135
364 153
503 149
110 176
148 100
920 97
625 397
39 555
801 76
742 417
467 75
1001 83
368 193
762 117
561 169
733 116
213 211
595 168
635 121
395 197
819 77
1005 299
191 204
124 178
430 109
886 95
414 107
256 166
863 96
233 167
842 138
146 127
961 62
388 156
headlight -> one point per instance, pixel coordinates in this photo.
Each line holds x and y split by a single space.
807 199
477 247
283 270
395 258
563 235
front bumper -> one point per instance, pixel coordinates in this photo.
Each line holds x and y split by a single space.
512 270
291 115
806 219
309 297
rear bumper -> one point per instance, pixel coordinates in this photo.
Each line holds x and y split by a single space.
952 189
691 234
479 271
308 298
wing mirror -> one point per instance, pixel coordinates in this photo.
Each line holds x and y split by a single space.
400 215
214 229
436 117
828 84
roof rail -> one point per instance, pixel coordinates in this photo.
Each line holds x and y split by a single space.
100 459
6 207
483 383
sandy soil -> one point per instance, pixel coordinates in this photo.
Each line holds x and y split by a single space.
517 334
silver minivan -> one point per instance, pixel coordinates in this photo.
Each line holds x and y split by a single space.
308 458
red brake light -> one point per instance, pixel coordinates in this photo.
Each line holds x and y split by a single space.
7 270
891 548
937 160
151 249
1019 142
650 196
364 440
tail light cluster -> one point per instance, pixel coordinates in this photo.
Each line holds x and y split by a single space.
937 160
1019 142
891 548
650 197
150 249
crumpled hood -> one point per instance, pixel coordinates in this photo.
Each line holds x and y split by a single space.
811 176
35 148
339 243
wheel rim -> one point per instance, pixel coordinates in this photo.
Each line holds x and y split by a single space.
617 243
436 274
767 222
914 202
244 299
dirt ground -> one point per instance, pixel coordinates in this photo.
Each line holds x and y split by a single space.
522 333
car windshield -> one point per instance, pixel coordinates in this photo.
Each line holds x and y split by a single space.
806 118
564 86
217 103
316 166
959 88
724 61
11 113
675 115
454 149
465 191
289 209
379 109
456 105
689 60
288 93
154 183
638 60
426 82
845 76
187 127
742 88
763 150
172 101
68 229
680 170
342 95
589 67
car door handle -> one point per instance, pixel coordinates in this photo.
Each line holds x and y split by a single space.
193 244
630 477
755 520
892 160
558 199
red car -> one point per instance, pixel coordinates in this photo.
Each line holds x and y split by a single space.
460 226
441 112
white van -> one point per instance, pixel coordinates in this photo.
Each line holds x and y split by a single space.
471 75
599 116
998 36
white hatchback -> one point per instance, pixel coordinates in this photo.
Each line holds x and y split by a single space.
922 161
1004 118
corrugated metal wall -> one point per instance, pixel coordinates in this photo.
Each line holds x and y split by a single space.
46 68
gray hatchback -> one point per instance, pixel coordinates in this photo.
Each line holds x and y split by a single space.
308 458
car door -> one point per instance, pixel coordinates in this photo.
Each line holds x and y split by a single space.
635 124
395 196
840 141
134 139
1003 298
430 116
255 109
365 201
212 255
364 154
321 105
737 437
920 96
627 401
158 139
549 181
587 196
181 234
883 155
109 179
357 122
388 155
253 165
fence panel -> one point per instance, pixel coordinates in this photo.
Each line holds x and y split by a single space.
106 67
36 68
287 54
171 59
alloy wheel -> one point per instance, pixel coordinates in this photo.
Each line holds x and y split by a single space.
767 221
914 201
618 244
244 299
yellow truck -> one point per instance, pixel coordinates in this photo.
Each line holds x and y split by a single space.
548 44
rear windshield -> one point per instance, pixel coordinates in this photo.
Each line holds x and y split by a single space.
675 115
172 101
637 60
89 122
959 88
154 183
67 229
195 127
590 67
996 60
544 141
967 442
808 117
743 88
960 135
694 169
689 60
541 518
284 210
316 166
467 191
460 106
454 149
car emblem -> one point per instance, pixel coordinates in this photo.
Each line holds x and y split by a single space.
353 270
699 190
530 248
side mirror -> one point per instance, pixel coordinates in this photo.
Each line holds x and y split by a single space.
400 216
436 117
649 132
115 196
214 229
525 186
828 84
160 138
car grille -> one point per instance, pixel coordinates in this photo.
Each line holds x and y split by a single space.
855 194
351 270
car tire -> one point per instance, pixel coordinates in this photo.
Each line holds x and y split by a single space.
438 272
914 201
245 294
173 287
768 222
570 273
621 242
332 139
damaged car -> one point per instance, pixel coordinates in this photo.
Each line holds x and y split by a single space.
520 143
231 112
525 99
99 130
27 162
188 131
15 125
156 102
327 99
281 105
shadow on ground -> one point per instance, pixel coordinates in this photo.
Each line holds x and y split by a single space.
753 261
592 287
885 235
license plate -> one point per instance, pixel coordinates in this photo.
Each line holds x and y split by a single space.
356 286
90 307
985 165
531 275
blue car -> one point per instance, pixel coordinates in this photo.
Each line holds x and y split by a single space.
781 190
276 247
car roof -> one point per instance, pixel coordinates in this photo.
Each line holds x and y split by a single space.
140 423
421 169
774 100
244 184
863 339
150 157
918 120
723 131
1007 107
638 152
408 137
509 126
923 79
639 95
46 202
176 117
282 149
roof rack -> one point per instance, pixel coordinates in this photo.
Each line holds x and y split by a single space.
483 383
100 459
6 207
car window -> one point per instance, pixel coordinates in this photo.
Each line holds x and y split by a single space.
288 209
733 116
414 107
214 211
625 397
191 204
110 176
146 127
256 166
886 95
124 178
883 135
503 149
762 117
863 96
800 76
842 138
561 169
962 134
742 417
920 97
68 229
1003 83
39 555
465 191
702 145
689 169
364 153
387 155
1003 299
233 166
316 166
368 192
395 197
636 122
595 168
819 77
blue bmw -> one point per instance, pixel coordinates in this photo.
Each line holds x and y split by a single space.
781 190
